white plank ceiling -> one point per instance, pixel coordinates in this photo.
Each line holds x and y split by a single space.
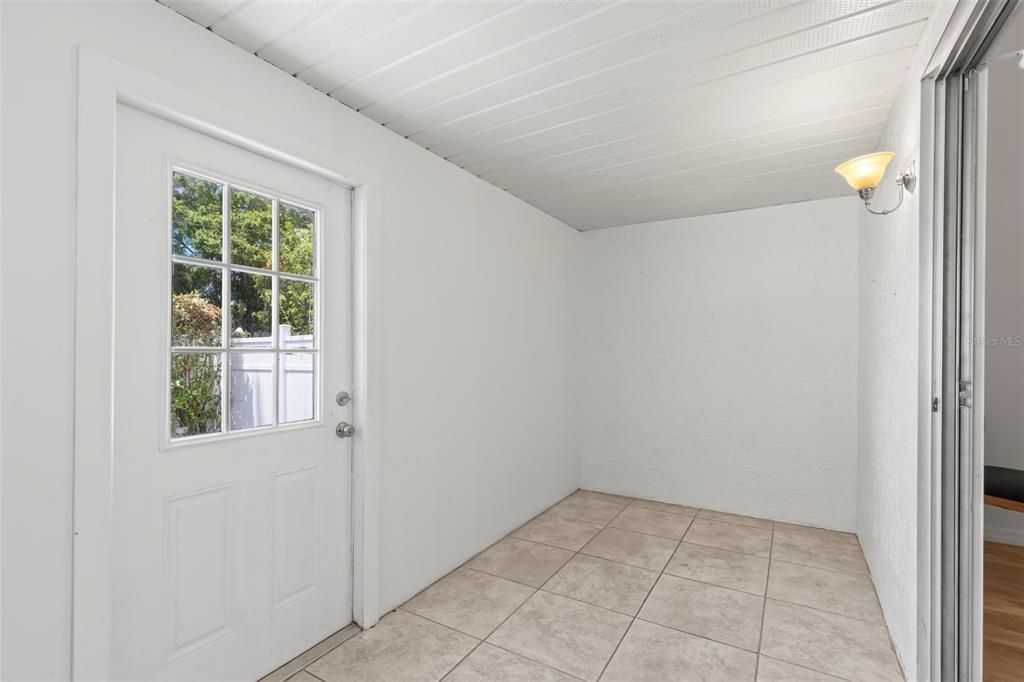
605 113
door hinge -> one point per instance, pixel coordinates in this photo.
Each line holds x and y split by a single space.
935 404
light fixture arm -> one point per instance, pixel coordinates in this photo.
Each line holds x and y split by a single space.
905 182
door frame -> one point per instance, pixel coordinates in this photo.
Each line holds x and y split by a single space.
950 543
103 84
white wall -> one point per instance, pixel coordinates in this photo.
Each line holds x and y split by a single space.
1004 270
718 361
890 365
1004 275
477 413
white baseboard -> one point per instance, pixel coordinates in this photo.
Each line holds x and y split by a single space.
1008 536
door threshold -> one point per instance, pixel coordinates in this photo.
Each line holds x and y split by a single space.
315 652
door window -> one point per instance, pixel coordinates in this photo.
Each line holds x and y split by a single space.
244 346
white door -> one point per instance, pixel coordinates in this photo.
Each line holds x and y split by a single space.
231 546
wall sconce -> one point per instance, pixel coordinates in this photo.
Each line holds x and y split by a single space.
864 173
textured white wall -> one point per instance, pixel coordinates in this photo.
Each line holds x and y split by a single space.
718 362
478 428
890 409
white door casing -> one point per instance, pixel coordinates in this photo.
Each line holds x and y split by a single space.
103 84
231 553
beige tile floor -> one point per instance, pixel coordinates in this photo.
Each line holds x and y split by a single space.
612 588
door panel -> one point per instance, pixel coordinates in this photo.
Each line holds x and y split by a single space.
231 492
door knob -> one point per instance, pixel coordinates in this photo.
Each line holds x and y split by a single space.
345 430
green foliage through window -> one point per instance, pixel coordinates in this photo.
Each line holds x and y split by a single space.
195 393
196 217
199 300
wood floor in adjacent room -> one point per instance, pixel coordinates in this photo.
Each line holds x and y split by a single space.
1004 612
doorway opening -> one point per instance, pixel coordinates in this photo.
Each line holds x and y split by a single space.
978 368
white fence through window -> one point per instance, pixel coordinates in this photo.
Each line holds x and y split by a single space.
252 381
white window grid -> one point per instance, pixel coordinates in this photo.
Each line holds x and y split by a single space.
225 349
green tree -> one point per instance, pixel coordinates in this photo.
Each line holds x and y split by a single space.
196 304
196 217
295 226
195 377
197 232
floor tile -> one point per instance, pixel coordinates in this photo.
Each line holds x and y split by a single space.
636 549
608 584
663 524
655 653
848 595
832 644
586 509
490 664
402 646
819 552
526 562
770 670
742 539
710 611
558 531
603 497
821 533
665 507
720 567
565 634
735 518
302 676
469 601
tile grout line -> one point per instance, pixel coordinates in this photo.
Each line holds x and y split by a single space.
636 616
480 642
764 605
688 633
623 507
575 553
515 653
764 597
830 613
804 667
615 649
643 603
695 544
495 629
633 620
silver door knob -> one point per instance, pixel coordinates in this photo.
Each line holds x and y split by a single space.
345 430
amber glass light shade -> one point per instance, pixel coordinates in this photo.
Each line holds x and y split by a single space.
865 171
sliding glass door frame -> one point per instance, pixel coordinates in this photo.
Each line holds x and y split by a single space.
952 547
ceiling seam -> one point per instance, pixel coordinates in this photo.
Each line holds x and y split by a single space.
569 193
634 103
562 57
689 149
426 8
649 131
488 56
679 67
677 90
614 66
312 18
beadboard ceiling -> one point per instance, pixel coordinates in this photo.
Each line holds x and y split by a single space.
605 113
